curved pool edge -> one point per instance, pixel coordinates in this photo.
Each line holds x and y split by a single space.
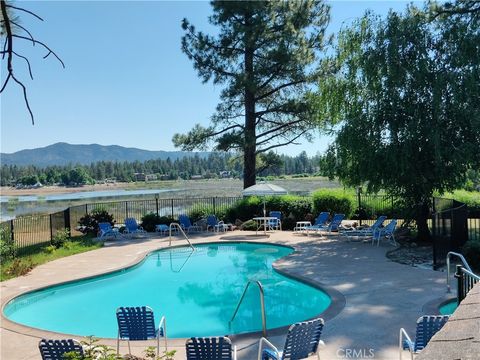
433 306
336 306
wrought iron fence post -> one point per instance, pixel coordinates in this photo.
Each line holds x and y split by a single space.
359 199
51 228
66 219
126 209
172 208
156 204
460 284
12 236
214 205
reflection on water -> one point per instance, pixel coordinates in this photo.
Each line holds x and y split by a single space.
13 206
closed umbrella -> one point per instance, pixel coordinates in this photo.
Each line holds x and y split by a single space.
264 189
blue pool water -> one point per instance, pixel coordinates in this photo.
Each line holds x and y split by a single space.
448 308
196 291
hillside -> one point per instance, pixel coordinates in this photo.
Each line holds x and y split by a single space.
63 154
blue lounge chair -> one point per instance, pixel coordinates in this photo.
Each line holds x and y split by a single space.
131 226
138 323
366 231
215 224
427 326
215 348
186 224
320 221
105 229
275 224
333 225
55 349
303 340
387 232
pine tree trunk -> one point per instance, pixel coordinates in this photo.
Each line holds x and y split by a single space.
249 155
423 214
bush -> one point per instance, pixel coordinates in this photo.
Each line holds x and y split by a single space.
60 238
333 201
202 212
293 208
471 251
89 223
7 245
150 220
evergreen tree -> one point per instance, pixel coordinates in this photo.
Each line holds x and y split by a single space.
264 55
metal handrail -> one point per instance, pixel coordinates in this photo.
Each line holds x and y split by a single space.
465 263
179 228
262 305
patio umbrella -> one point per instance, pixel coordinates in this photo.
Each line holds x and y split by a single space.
264 189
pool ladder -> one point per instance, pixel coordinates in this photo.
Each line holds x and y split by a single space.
178 228
262 305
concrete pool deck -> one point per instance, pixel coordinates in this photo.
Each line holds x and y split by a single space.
380 296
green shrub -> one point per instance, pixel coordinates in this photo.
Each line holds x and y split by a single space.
201 212
293 208
19 267
149 221
333 201
471 251
60 237
7 245
50 249
89 223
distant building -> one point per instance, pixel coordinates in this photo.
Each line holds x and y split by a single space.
225 174
196 177
150 177
139 176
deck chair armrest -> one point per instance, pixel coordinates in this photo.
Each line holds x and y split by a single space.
264 343
235 352
404 342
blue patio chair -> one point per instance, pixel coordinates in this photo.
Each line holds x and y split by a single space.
138 323
387 232
55 349
303 340
214 348
427 326
131 226
275 224
215 224
333 225
320 221
366 231
186 224
105 229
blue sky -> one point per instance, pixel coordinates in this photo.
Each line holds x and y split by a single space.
126 81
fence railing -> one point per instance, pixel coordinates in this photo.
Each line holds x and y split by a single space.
466 281
30 231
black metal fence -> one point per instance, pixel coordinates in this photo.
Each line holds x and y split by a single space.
466 280
450 224
29 232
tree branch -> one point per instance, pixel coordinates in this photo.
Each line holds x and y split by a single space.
34 41
25 10
273 91
292 141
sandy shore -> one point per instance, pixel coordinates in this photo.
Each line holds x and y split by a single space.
48 190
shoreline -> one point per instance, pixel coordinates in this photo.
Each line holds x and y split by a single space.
54 189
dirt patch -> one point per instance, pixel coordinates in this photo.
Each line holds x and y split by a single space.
411 254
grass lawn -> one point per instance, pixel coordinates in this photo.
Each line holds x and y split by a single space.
23 263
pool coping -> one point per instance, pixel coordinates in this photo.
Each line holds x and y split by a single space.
337 304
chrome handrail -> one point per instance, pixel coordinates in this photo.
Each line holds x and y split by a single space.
179 228
262 305
465 264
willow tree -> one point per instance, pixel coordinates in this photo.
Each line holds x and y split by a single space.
406 97
264 56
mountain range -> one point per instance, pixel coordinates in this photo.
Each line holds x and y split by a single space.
63 154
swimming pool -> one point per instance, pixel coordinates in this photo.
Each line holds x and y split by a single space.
448 308
197 291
